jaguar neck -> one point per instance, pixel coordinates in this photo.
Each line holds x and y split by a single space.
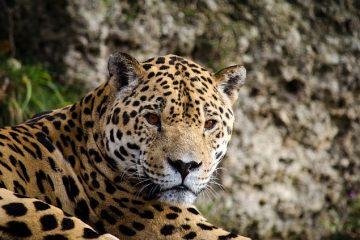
95 107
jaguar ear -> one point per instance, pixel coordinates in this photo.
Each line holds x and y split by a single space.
230 80
124 69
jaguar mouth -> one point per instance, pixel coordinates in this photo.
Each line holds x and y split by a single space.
176 194
179 188
154 191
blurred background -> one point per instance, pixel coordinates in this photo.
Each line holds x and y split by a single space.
292 169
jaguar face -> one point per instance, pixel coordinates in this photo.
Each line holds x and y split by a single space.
170 123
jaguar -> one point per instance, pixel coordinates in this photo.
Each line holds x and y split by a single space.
127 161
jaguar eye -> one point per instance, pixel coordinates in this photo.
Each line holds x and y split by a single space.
210 124
153 119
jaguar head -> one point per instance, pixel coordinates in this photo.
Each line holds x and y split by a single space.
170 124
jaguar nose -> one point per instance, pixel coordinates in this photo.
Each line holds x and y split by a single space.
184 168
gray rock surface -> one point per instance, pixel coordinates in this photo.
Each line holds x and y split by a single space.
294 160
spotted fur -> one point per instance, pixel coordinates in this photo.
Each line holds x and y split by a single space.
128 159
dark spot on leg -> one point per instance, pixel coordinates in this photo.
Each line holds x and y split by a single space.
40 206
67 224
55 237
16 229
15 209
89 233
48 222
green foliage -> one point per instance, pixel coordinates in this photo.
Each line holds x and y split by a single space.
348 228
29 89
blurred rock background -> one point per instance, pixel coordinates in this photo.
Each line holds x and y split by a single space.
292 169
